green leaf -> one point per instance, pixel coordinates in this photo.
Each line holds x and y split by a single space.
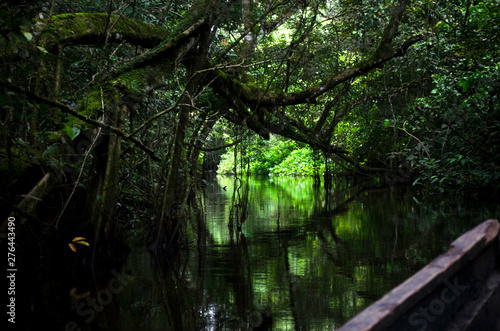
50 150
43 50
76 131
464 82
28 35
70 132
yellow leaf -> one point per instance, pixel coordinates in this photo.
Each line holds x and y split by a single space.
81 242
73 248
77 294
78 239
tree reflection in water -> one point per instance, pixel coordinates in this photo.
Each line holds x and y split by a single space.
300 260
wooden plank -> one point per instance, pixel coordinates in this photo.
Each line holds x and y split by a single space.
482 313
437 275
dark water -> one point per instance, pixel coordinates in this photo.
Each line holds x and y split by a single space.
302 261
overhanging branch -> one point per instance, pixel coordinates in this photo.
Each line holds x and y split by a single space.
253 96
214 149
65 109
90 29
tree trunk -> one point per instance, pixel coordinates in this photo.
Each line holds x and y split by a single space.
103 187
174 195
28 205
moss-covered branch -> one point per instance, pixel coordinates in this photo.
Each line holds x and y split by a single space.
256 96
168 50
253 95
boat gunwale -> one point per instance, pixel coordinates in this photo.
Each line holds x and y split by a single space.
384 312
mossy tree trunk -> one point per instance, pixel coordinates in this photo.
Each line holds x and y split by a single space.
103 187
182 160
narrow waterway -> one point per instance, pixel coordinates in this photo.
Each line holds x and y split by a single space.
302 260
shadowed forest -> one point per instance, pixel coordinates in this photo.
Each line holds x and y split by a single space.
118 116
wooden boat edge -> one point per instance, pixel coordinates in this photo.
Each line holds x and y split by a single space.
383 313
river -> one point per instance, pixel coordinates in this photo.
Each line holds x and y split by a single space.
303 260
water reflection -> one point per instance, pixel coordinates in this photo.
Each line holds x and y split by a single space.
314 264
302 260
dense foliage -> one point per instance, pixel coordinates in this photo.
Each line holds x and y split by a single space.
272 157
432 115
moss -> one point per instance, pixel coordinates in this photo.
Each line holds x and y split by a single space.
195 13
92 105
134 80
89 28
